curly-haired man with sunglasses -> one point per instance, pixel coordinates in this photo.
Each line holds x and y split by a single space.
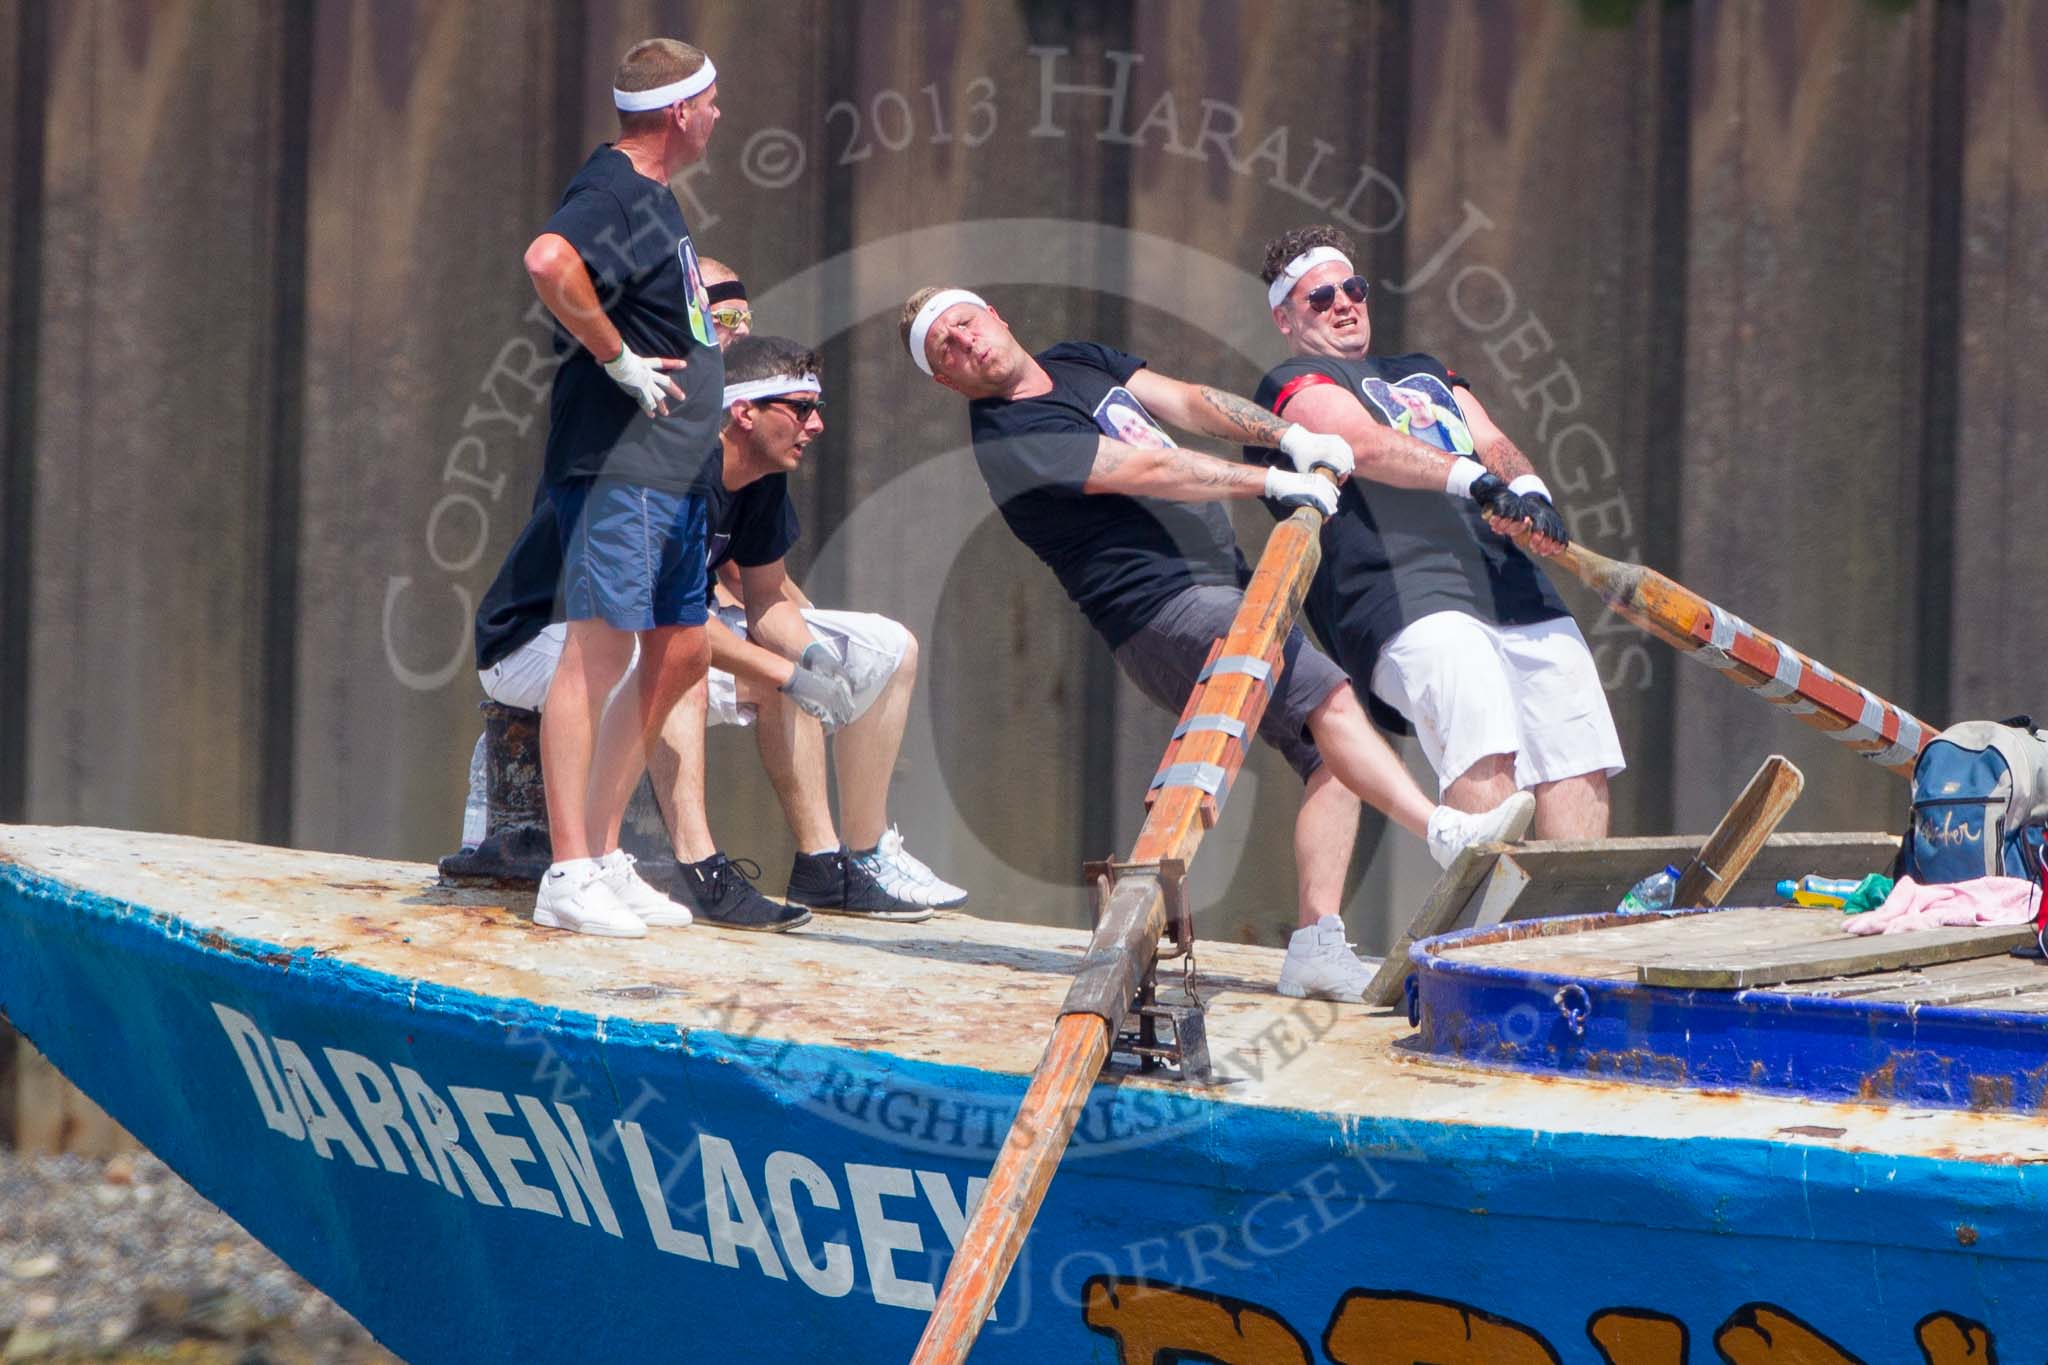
1445 626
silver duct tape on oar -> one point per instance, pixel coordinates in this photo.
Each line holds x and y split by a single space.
1912 739
1208 777
1229 725
1783 688
1257 669
1716 651
1793 673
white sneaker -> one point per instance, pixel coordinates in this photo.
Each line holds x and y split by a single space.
1452 831
648 904
577 896
906 878
1320 965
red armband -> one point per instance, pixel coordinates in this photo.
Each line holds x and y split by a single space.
1294 386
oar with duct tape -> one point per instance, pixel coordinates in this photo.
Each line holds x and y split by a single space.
1187 795
1887 735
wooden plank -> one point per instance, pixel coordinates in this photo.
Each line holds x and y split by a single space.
1577 877
1582 876
1738 948
1982 981
1847 957
2033 1002
1440 913
1740 836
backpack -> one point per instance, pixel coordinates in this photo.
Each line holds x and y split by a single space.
1980 804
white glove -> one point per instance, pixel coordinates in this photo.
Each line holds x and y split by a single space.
1313 450
644 382
825 697
1302 490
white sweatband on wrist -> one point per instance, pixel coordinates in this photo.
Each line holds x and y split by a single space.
774 386
1465 472
662 96
1284 282
921 326
1529 483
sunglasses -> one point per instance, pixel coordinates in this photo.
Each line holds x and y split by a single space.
799 408
1323 297
732 317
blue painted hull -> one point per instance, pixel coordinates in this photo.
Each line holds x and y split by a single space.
627 1191
1979 1058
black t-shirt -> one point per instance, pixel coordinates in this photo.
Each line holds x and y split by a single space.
521 599
1394 555
751 526
630 233
1119 558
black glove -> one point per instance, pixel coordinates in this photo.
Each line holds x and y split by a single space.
1543 517
1488 489
1492 494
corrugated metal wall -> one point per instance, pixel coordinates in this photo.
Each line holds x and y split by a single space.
1757 286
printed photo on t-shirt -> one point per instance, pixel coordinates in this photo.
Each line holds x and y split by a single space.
699 296
1122 417
1421 406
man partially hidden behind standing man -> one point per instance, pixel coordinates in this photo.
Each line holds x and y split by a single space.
633 417
1441 621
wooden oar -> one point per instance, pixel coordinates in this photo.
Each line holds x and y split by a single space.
1186 797
1887 735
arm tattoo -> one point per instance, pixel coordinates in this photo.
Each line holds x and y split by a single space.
1242 419
1110 457
1503 459
1205 471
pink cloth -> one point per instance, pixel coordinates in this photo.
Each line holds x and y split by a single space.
1982 901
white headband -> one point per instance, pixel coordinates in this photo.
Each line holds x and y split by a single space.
1283 283
929 314
774 386
662 96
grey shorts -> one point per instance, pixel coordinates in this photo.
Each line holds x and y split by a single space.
1166 656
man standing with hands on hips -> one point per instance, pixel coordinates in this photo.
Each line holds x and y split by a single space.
633 417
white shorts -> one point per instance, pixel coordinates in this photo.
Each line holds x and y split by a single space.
869 647
1472 689
522 677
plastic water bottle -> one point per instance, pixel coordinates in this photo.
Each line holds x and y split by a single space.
476 810
1814 889
1652 893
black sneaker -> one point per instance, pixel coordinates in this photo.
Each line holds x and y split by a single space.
834 884
720 892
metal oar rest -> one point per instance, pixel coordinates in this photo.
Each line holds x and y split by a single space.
1176 1036
1171 1037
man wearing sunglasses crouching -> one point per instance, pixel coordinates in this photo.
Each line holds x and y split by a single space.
1446 628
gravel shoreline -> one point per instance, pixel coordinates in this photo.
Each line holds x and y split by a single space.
118 1259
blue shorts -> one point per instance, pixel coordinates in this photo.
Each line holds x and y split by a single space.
632 556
